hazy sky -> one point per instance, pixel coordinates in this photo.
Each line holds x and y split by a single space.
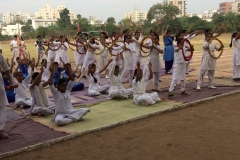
102 9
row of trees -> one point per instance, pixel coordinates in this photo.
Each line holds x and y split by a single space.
167 14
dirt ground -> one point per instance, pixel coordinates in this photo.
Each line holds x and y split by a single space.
208 131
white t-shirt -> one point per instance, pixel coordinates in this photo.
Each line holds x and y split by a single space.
14 45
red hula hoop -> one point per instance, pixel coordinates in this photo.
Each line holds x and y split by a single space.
187 58
57 48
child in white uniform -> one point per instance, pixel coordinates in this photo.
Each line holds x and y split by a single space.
179 69
93 76
128 58
14 48
79 52
103 58
208 63
51 52
140 96
90 57
154 58
116 89
22 99
64 112
40 103
137 40
62 51
3 99
236 55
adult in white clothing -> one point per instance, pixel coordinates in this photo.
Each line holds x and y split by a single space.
208 63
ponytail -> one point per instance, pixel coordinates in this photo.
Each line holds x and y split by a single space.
233 36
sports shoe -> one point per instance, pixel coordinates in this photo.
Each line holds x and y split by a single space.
184 93
106 77
3 135
198 87
211 87
170 94
206 77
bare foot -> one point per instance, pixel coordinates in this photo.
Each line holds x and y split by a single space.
39 114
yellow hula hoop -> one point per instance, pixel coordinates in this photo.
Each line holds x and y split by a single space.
69 41
141 48
221 52
110 48
46 41
90 39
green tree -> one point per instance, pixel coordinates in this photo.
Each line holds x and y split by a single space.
111 25
111 20
64 20
162 10
83 22
29 22
17 21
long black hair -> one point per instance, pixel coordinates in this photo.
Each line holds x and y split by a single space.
61 81
233 36
94 78
126 36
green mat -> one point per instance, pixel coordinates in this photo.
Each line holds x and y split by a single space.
107 113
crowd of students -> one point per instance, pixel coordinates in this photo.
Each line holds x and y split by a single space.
120 53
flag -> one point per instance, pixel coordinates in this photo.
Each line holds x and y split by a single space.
79 29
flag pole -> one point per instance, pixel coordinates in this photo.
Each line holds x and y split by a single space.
19 42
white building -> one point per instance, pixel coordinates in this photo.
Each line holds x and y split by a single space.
1 17
92 20
49 13
17 15
236 6
207 15
43 22
11 29
192 15
181 4
136 15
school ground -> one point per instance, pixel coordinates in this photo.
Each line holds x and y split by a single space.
203 125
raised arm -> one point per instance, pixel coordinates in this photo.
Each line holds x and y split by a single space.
131 28
150 70
109 61
143 28
138 78
28 78
38 78
220 32
12 64
159 27
38 60
165 32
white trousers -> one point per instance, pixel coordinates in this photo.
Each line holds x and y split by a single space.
156 79
44 110
24 101
210 74
182 82
2 117
187 67
236 71
62 119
